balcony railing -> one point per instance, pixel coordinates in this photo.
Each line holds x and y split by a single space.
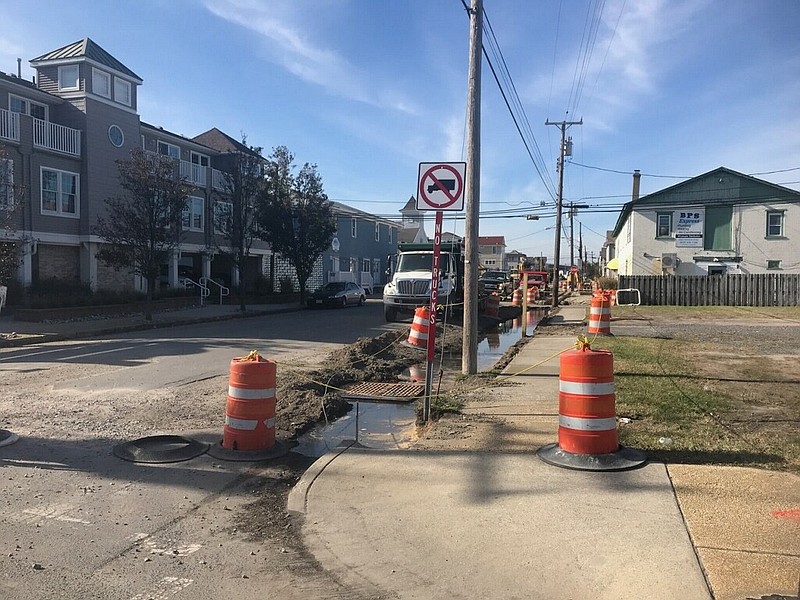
9 125
218 181
52 136
196 174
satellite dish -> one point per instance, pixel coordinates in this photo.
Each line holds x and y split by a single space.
335 244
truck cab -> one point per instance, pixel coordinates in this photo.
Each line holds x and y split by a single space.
410 284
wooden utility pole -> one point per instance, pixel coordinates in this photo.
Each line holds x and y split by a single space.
559 201
469 342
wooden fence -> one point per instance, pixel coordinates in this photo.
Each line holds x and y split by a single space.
766 289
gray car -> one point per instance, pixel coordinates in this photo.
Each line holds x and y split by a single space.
338 293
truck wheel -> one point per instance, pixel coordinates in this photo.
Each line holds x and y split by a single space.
390 314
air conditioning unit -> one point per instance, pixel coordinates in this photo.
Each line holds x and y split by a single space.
669 261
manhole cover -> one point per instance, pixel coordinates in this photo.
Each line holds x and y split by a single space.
160 449
7 438
392 392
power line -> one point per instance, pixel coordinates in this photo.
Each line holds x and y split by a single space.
520 122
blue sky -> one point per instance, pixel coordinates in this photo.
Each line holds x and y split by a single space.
368 89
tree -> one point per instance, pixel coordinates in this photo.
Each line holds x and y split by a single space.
235 211
142 227
294 214
10 208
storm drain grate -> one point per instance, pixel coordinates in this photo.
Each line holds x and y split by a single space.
391 392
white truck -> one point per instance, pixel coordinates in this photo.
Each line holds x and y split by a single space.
410 278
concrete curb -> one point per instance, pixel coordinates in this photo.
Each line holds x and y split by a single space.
43 338
297 502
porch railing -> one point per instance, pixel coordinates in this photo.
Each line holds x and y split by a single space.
196 174
52 136
9 125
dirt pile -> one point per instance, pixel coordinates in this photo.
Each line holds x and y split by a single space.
306 398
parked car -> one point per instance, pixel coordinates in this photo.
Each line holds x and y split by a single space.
338 293
495 281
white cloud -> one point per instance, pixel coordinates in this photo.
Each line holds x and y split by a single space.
296 53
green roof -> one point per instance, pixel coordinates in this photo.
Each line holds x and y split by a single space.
748 190
85 48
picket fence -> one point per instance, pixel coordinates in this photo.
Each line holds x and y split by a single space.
767 289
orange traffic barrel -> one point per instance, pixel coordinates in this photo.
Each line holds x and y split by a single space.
492 305
250 406
533 292
600 315
587 422
418 335
516 299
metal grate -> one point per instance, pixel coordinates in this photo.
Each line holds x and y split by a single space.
394 392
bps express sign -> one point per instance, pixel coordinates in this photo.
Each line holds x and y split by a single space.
689 228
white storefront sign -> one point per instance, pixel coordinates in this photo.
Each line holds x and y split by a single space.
689 226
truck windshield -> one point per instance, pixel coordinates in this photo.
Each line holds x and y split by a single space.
421 262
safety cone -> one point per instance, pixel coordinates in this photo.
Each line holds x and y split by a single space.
587 423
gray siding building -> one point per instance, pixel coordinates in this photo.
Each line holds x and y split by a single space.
61 136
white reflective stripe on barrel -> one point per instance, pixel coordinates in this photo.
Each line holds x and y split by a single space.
248 394
587 424
599 311
599 324
270 423
579 388
421 321
244 424
418 336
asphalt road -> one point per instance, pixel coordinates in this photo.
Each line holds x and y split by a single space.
175 356
77 522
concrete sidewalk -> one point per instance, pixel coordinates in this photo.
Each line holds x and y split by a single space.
441 522
15 333
500 523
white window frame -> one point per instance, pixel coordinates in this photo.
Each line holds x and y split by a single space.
781 217
59 199
199 168
6 183
774 265
122 91
193 219
659 216
377 232
366 265
63 71
27 106
354 227
101 79
170 148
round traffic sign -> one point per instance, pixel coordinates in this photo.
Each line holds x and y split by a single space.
441 186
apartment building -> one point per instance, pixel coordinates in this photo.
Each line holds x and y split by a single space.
492 252
62 134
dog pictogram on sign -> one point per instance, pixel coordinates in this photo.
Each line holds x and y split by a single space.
441 186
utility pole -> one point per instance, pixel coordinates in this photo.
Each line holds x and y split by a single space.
563 152
469 339
572 208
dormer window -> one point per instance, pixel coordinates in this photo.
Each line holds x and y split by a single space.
101 83
122 91
68 78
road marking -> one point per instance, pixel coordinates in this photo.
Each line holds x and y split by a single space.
56 512
789 515
168 586
164 546
63 350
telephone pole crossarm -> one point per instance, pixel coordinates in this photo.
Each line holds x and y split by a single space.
559 202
